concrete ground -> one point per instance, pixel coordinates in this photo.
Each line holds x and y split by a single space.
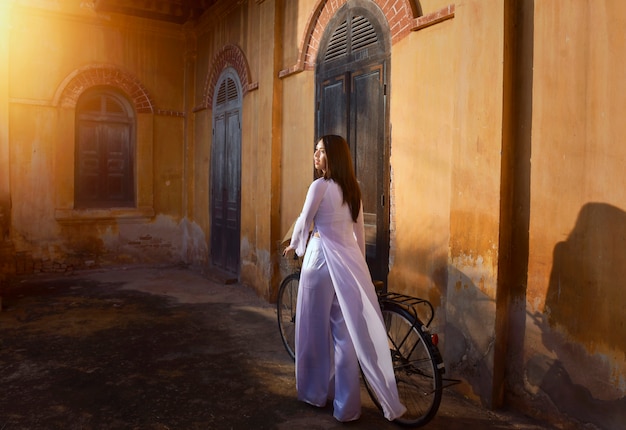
164 348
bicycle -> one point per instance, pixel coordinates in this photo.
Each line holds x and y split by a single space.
417 363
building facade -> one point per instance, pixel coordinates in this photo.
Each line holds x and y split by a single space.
485 134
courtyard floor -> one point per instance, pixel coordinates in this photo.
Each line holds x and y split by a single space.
165 348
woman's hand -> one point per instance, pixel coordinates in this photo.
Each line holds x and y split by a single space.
287 250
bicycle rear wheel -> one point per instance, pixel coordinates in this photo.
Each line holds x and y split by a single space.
286 312
416 366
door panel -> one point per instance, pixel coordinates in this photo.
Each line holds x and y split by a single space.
88 164
233 191
117 142
368 149
104 163
352 105
218 198
333 108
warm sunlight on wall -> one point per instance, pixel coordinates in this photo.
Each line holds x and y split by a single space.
4 55
33 32
5 7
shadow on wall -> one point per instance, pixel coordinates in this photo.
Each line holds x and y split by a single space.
586 295
470 334
583 322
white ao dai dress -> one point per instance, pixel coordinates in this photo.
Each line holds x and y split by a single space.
339 324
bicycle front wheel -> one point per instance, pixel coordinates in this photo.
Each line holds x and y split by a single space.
286 312
416 366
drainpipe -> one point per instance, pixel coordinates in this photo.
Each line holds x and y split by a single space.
514 196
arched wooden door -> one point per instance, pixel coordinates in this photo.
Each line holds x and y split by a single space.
225 175
351 101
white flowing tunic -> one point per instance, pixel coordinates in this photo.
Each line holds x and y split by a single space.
343 246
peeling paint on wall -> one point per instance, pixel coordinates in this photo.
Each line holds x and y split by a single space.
469 332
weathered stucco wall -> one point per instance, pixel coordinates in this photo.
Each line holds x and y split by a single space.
248 28
574 349
298 144
445 159
421 161
475 197
49 50
296 18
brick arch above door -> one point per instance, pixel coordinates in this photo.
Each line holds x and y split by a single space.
400 15
403 16
228 56
103 74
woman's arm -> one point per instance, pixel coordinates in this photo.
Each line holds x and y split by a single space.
311 204
359 231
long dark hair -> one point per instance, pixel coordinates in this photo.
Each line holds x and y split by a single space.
339 168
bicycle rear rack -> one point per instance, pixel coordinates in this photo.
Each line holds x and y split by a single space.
411 304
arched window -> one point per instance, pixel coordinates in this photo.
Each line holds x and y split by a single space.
105 150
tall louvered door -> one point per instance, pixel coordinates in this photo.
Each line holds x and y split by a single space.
351 80
226 175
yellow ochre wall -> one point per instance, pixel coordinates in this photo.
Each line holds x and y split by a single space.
250 28
446 115
506 161
572 360
48 47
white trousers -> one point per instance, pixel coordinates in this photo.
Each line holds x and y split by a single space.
326 361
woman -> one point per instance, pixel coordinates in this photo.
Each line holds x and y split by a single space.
338 320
